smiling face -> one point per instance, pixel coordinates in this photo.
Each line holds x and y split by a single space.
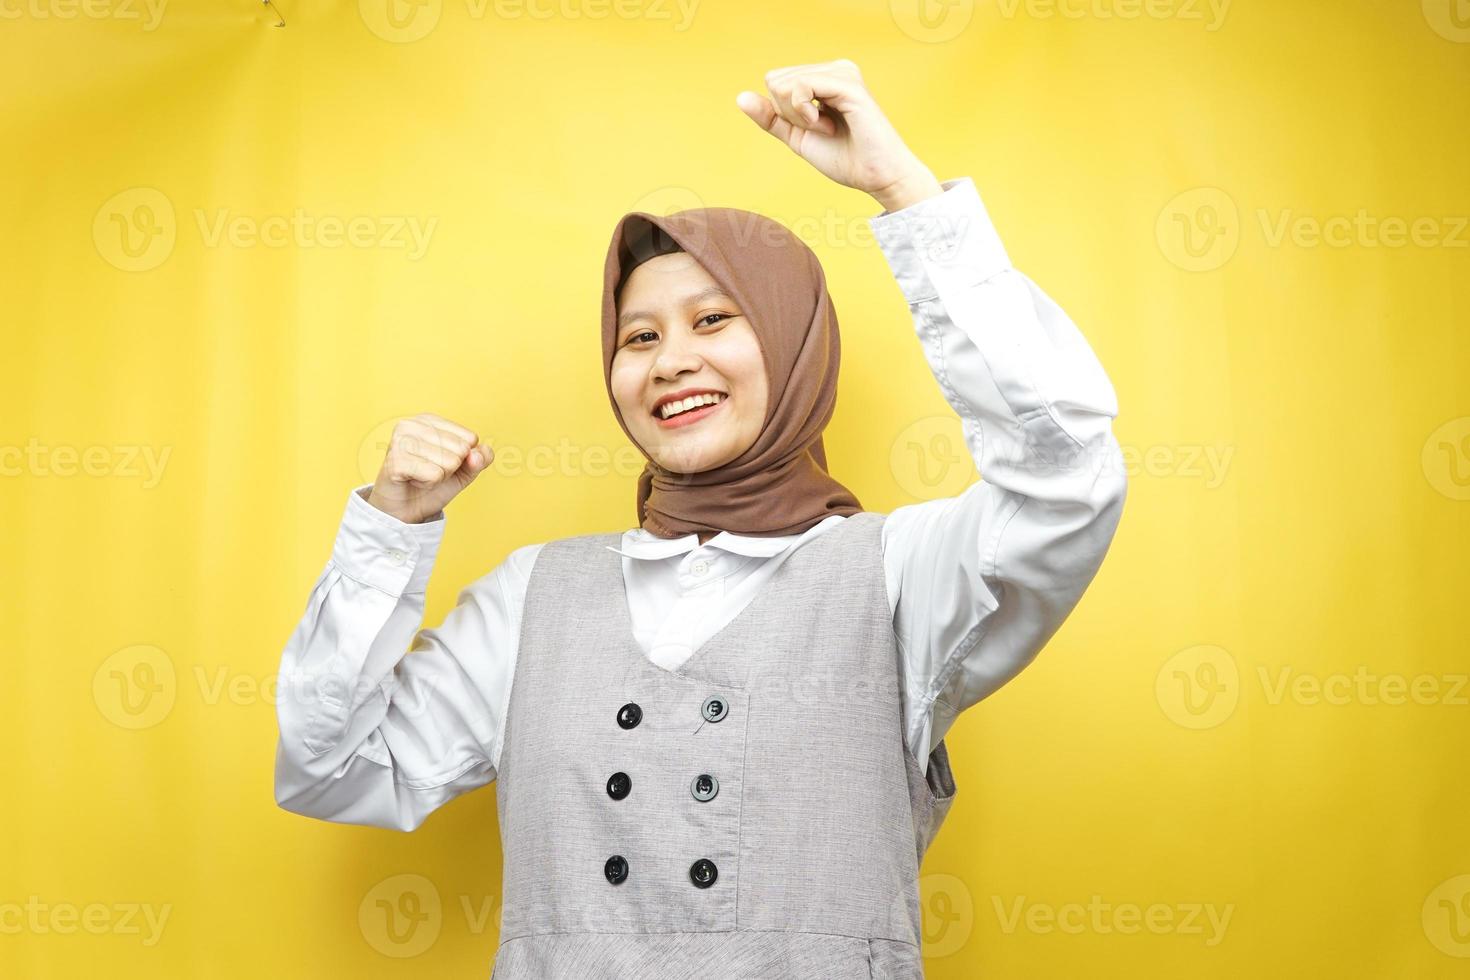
679 333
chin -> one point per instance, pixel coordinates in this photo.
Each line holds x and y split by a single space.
691 462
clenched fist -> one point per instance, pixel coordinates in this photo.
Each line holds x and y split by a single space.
826 115
430 460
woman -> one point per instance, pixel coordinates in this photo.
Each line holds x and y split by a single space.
718 736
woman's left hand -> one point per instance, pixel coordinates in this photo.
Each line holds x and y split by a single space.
848 139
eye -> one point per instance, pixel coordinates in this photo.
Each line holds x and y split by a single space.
638 337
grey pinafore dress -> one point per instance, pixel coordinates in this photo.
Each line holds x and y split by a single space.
752 814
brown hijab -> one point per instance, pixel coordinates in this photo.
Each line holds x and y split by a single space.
780 484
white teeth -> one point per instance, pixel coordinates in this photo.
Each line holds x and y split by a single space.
693 401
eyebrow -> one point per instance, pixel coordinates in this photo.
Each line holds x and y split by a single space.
709 292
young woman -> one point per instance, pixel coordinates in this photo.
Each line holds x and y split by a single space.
718 736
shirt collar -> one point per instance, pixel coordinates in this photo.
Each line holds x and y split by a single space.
640 543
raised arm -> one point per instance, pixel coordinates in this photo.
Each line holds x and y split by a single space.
982 580
380 722
978 582
379 726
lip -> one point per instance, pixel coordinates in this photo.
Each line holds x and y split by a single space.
690 418
678 396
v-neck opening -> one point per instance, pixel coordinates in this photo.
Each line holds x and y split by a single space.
763 596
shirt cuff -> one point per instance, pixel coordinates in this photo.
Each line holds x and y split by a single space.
378 549
940 243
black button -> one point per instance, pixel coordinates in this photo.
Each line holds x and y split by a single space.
616 869
618 785
629 715
703 873
713 708
704 787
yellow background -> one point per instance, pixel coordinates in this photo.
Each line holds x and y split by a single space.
1138 162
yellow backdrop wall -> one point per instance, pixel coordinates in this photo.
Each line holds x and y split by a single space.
234 252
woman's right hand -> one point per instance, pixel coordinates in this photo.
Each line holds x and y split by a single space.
429 461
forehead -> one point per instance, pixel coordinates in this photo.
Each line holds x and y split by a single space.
669 282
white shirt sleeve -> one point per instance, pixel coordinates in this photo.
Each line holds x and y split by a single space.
380 725
981 581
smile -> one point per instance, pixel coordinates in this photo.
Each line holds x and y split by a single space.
690 417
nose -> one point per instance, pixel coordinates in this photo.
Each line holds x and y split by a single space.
676 356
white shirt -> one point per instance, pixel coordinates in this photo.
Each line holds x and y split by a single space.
977 583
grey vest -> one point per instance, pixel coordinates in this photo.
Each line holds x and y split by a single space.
752 814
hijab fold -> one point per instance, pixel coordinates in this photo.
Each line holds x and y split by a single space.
780 484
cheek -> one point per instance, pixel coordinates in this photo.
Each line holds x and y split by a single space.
627 391
745 368
738 359
754 410
749 375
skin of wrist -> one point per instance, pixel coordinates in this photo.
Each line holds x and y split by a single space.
908 190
